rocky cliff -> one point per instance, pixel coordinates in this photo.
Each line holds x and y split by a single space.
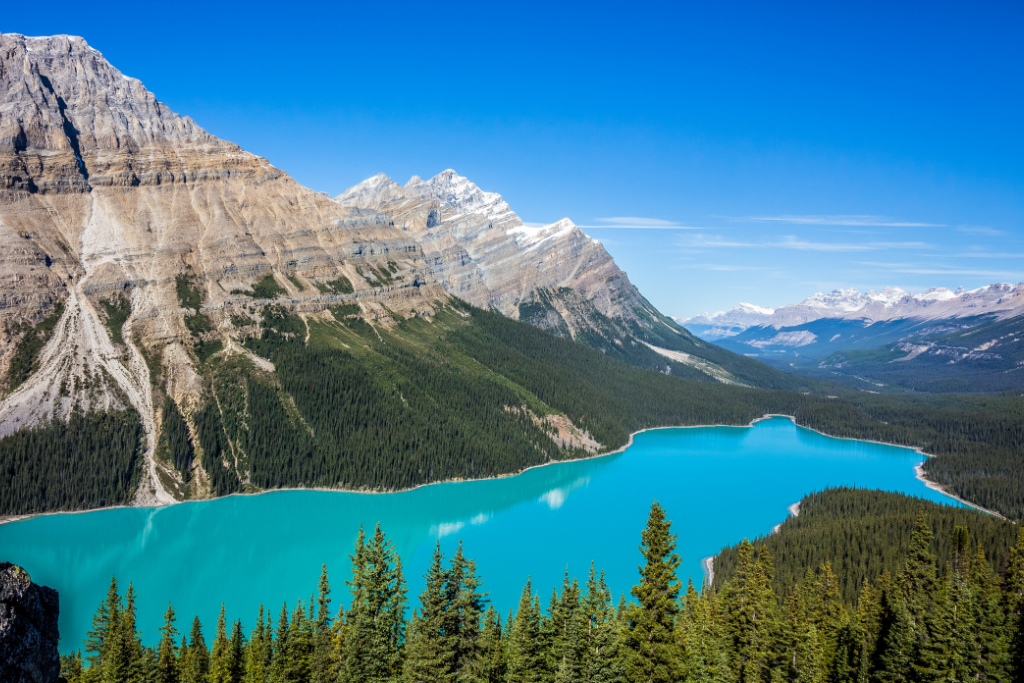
143 236
28 628
553 276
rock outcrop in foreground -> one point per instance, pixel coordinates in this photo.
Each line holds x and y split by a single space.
28 628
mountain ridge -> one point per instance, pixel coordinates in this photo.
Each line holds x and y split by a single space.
892 303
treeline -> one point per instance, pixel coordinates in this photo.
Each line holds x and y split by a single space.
388 407
363 406
978 438
958 622
863 534
90 461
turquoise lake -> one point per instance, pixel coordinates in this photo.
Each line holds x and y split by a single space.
718 484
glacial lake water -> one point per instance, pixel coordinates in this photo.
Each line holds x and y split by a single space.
718 484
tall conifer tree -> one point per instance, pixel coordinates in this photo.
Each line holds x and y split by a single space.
650 640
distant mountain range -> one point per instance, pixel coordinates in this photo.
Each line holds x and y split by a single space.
939 340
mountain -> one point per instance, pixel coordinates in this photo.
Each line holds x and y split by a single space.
553 277
939 340
180 319
712 326
480 249
892 303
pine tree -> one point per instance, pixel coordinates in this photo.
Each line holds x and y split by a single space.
896 640
650 643
260 652
71 669
493 658
568 626
1015 607
220 654
430 650
601 661
324 661
167 657
750 615
195 662
467 605
375 626
300 645
123 651
281 665
98 636
236 655
525 664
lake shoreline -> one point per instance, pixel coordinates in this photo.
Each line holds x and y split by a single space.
919 473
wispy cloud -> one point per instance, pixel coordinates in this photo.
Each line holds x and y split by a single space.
714 241
988 254
980 230
639 223
727 268
793 242
862 221
928 269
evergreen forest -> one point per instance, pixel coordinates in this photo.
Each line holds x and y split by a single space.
362 405
945 612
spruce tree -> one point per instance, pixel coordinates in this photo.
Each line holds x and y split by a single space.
430 649
236 656
195 662
375 625
651 655
324 661
1015 607
493 658
281 664
525 664
601 656
260 652
220 653
99 634
123 652
896 640
467 605
751 615
71 669
167 656
300 645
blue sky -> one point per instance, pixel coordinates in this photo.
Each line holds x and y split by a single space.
754 152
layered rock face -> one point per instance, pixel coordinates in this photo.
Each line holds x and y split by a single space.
105 192
28 628
553 276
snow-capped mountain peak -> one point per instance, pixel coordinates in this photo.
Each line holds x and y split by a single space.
458 193
891 303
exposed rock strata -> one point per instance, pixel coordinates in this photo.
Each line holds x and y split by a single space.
485 255
104 191
28 628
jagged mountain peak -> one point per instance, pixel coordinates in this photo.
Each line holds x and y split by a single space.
447 188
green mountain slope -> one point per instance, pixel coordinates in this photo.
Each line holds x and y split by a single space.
863 534
393 403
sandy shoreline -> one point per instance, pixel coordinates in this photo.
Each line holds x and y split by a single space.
919 472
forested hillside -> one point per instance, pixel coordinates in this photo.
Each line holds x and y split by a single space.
470 393
863 534
961 619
